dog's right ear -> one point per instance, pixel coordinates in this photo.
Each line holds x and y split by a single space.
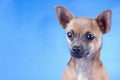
64 16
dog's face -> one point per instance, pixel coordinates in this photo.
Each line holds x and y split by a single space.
84 37
84 34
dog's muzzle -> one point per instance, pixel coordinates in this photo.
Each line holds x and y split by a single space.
78 52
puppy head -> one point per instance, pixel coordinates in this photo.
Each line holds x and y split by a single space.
84 34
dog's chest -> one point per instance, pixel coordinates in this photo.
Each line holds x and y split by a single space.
81 77
83 69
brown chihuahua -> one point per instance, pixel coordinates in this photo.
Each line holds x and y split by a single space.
84 36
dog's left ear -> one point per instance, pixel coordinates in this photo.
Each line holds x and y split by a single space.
104 21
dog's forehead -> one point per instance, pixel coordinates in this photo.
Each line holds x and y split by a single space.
83 24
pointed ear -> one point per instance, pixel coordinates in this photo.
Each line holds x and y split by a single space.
64 16
104 21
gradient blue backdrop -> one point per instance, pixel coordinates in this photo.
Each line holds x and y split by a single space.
33 46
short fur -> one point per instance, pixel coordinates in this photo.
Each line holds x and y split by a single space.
88 67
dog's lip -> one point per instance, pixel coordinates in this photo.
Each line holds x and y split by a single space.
79 56
75 55
87 53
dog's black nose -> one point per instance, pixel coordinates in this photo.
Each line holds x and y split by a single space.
77 52
76 49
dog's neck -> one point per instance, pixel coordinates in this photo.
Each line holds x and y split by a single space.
84 66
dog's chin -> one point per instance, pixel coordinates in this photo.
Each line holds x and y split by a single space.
79 56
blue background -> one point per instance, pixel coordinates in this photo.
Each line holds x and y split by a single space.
33 46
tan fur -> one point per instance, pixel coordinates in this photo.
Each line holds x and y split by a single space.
90 67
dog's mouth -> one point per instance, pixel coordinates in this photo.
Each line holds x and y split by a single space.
79 55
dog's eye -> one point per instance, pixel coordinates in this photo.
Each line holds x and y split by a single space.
89 36
70 35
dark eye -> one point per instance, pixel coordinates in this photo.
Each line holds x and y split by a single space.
89 36
70 35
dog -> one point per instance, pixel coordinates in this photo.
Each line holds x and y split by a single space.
84 36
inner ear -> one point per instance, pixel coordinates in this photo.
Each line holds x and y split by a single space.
104 21
64 16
